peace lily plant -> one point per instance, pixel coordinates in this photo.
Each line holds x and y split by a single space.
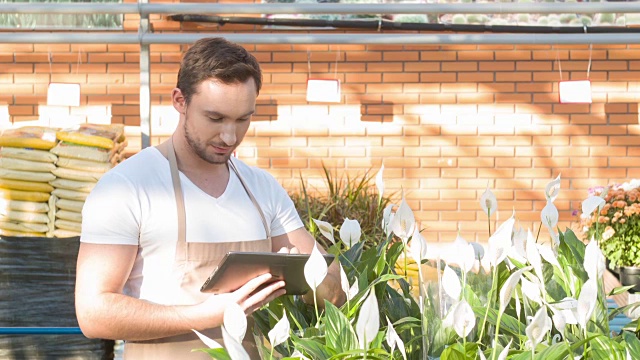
541 298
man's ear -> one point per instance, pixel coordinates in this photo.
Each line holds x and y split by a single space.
178 100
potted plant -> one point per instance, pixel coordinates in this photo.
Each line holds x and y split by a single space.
615 225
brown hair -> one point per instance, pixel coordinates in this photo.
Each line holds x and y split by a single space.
216 58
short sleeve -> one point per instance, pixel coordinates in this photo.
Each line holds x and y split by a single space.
286 218
111 213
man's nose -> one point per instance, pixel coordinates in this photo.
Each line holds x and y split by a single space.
228 135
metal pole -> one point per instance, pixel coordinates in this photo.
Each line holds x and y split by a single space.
259 8
342 38
145 81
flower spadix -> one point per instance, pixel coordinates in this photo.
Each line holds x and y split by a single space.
280 332
315 270
325 229
368 322
404 222
350 232
549 216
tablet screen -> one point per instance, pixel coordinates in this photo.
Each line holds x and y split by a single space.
236 268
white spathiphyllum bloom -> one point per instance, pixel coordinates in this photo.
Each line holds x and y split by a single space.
531 291
212 344
559 321
315 270
467 258
587 301
297 354
235 321
568 307
507 288
505 351
353 290
418 247
464 319
481 354
519 239
393 339
594 262
451 283
387 217
368 322
404 222
234 348
350 232
380 182
500 242
539 327
552 189
488 202
549 216
325 229
280 332
549 255
344 282
533 256
591 203
478 250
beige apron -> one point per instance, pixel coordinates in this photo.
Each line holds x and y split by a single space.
194 263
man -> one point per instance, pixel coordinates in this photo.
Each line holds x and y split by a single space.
157 225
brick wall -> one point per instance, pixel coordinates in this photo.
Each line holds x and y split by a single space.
445 120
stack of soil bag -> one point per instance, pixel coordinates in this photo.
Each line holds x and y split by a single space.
84 155
26 170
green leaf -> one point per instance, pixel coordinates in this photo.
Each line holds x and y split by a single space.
603 347
218 354
508 323
574 246
338 331
633 344
620 290
311 346
454 352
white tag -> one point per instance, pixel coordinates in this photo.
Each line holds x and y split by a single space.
575 91
323 90
60 94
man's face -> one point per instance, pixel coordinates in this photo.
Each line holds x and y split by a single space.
218 117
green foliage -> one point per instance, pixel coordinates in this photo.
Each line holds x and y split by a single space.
354 198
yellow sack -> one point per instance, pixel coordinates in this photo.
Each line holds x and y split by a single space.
32 137
84 186
69 215
28 154
60 233
34 196
102 136
25 185
25 165
82 152
26 175
84 165
23 227
71 205
70 194
68 225
29 206
77 175
51 214
23 216
20 233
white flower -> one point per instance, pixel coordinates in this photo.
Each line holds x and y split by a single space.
505 351
464 319
552 189
500 242
325 229
393 339
549 255
350 232
235 321
315 270
353 290
559 321
539 327
587 301
591 203
380 182
418 247
594 262
533 256
488 202
451 283
549 216
387 218
368 322
507 289
280 332
531 291
344 282
297 354
234 348
212 344
404 222
467 257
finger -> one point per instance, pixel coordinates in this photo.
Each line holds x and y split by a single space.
284 249
264 296
294 250
250 286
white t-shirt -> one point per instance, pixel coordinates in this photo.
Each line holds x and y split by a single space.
134 204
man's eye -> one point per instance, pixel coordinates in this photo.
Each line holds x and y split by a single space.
215 119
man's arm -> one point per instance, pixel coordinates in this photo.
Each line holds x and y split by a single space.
330 288
104 312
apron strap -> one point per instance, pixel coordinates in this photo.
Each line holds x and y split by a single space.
267 230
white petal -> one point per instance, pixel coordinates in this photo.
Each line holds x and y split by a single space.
533 255
587 301
353 290
403 222
488 202
481 354
325 229
379 181
391 340
350 232
559 321
591 203
418 247
507 288
468 257
234 348
344 282
464 319
315 270
212 344
549 255
297 354
235 321
505 351
280 332
451 283
531 291
478 250
594 261
539 327
552 189
549 216
368 322
500 242
387 218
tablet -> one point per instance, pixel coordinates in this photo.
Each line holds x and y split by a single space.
236 268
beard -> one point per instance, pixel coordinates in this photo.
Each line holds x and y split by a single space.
200 148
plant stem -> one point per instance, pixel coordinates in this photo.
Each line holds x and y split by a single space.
404 249
315 304
422 324
538 234
495 340
490 297
271 354
489 220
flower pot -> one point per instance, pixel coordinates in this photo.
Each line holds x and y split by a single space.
630 275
